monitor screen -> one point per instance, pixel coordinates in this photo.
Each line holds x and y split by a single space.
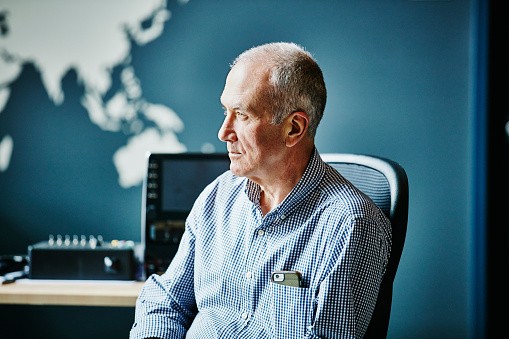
183 179
170 188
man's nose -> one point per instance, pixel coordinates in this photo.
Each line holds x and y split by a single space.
226 131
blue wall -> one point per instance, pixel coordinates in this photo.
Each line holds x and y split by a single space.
399 82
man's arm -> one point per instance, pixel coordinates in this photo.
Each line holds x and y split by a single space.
347 296
166 305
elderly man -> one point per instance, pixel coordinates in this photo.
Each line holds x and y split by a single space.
281 245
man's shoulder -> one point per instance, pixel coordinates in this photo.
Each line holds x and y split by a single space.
341 192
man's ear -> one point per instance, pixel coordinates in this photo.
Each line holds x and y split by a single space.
298 123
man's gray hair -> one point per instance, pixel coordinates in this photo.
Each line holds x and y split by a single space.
295 81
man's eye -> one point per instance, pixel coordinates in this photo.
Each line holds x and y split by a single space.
238 114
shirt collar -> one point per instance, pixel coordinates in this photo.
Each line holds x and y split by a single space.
310 179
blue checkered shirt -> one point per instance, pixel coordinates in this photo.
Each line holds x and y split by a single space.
218 284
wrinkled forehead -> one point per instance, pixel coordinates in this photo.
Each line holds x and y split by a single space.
244 85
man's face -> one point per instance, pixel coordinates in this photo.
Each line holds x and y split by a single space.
255 145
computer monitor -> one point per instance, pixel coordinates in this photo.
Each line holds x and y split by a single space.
172 183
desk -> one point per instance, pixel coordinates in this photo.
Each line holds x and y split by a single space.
71 292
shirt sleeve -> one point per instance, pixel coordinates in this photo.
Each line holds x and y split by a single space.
166 305
347 296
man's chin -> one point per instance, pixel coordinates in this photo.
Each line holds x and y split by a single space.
236 168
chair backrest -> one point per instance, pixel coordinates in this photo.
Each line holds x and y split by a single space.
386 183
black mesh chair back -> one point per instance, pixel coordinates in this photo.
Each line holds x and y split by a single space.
386 183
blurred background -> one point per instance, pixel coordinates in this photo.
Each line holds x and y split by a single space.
87 88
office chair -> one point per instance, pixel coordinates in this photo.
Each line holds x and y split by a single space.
386 183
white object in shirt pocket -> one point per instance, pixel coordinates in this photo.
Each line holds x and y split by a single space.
291 310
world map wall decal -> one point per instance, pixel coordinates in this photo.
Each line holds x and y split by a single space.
91 38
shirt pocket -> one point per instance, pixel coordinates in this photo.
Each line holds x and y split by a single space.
291 310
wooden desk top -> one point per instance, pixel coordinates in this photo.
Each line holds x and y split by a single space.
71 292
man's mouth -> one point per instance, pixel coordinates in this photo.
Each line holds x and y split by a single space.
232 151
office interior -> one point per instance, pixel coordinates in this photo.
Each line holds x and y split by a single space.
419 82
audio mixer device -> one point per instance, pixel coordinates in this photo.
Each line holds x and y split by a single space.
82 258
172 183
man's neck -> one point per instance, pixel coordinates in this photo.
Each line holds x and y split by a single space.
274 191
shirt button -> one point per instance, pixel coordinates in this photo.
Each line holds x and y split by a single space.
261 232
245 316
283 217
249 275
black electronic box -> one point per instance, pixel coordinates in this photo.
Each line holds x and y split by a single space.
171 185
82 258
